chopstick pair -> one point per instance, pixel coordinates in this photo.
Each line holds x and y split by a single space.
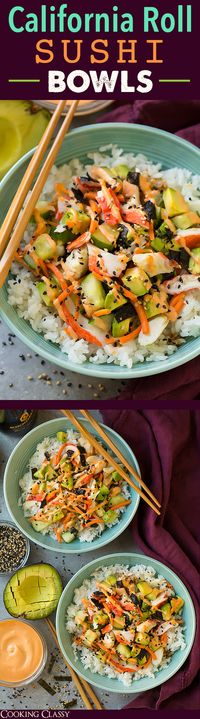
9 245
154 504
85 690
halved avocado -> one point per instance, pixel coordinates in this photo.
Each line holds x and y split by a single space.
33 592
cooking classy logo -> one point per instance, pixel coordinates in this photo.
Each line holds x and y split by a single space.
101 51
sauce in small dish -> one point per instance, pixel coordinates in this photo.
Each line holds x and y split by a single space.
23 653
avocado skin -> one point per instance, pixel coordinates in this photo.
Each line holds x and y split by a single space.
41 577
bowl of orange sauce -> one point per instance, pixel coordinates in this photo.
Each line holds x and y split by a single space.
23 653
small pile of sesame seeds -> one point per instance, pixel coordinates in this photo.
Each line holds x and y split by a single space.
12 548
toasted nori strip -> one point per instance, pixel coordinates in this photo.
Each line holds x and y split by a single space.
122 313
33 470
143 653
78 194
62 678
46 686
174 255
135 599
122 238
184 258
158 615
133 177
150 210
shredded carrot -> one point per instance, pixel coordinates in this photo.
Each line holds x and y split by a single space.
93 225
93 521
101 313
107 628
80 332
142 317
174 300
122 504
151 231
79 242
130 336
128 293
51 495
58 275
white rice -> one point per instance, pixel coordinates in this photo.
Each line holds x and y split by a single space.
30 507
24 296
88 658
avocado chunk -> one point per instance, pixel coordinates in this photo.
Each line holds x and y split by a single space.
189 219
158 244
153 594
114 300
118 622
137 281
166 611
116 477
119 329
21 128
90 637
112 580
155 304
135 651
33 592
142 638
101 618
176 604
102 493
120 171
77 221
61 436
93 294
64 236
44 247
194 265
125 652
68 537
30 261
42 289
117 499
105 237
109 516
174 202
144 588
81 617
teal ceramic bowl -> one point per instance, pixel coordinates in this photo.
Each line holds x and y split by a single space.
159 146
17 465
104 682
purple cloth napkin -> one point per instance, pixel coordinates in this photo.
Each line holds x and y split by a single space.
166 444
183 118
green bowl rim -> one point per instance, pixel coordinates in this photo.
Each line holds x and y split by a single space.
143 557
83 545
90 369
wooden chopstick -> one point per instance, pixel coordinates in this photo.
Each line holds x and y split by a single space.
28 178
81 685
115 449
23 220
90 437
